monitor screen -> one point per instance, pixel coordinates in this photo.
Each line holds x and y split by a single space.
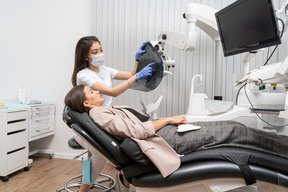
247 25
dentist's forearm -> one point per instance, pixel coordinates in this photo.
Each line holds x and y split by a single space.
121 88
135 68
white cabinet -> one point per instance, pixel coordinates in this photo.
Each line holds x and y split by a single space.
42 121
13 140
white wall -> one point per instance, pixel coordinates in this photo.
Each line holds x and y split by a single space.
38 40
37 47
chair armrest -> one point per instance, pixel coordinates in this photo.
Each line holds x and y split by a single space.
132 150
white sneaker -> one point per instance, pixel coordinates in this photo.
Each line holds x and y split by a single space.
120 187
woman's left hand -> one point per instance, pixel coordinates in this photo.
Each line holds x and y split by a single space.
177 120
141 51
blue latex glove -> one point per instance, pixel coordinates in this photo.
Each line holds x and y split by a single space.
145 72
140 51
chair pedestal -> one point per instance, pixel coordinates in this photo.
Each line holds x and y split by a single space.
97 183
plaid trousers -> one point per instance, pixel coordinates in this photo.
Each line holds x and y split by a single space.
224 133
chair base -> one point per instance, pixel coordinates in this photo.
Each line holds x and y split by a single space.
97 183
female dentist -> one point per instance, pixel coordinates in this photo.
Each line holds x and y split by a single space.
89 70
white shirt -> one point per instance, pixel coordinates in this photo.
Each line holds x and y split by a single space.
89 78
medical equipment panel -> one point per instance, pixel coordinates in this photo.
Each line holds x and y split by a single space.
13 140
41 123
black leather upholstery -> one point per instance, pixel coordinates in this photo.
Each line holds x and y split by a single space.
132 150
72 143
102 138
202 170
66 117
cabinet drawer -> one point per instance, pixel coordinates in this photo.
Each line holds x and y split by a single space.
17 125
42 113
17 160
17 115
17 140
42 108
42 129
41 120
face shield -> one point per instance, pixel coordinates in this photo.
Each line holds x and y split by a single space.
150 83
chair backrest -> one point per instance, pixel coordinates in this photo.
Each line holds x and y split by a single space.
106 144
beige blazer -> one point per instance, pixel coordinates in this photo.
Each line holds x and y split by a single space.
121 123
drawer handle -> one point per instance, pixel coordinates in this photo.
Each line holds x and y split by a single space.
16 121
42 129
42 120
42 114
15 132
42 108
15 150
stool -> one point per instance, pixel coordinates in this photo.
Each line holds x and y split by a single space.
97 183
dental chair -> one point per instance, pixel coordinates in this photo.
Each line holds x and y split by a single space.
219 169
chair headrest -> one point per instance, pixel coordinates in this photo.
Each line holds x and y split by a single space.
69 116
66 118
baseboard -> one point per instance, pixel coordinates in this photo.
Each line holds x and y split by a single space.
59 155
68 156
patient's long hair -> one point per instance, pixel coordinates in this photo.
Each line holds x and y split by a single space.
81 52
75 98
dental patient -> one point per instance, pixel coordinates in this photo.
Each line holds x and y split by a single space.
160 141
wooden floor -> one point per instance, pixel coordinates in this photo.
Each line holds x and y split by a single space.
46 175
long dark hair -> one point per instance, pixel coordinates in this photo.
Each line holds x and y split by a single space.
81 52
75 98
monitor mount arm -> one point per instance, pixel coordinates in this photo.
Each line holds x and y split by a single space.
204 18
283 14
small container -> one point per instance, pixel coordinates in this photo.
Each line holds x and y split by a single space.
22 97
197 104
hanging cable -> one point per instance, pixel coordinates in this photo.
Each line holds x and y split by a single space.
239 92
272 53
276 126
267 56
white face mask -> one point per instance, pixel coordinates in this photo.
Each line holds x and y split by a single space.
97 60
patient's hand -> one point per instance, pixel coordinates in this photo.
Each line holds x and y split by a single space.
177 120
